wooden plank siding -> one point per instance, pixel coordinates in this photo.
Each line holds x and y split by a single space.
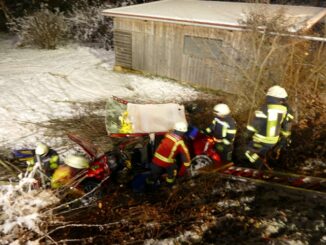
158 48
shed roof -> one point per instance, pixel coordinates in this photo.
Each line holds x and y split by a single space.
215 13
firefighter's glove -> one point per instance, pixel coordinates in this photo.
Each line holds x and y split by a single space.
128 164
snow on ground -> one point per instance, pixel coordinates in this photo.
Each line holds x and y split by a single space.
38 85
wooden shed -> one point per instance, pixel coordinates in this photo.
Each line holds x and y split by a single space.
192 40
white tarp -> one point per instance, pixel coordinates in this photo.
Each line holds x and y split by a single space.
152 118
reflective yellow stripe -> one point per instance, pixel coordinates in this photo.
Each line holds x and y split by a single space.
252 158
274 111
174 148
54 165
285 133
264 139
290 116
170 181
231 131
260 114
257 145
181 143
171 138
251 128
186 164
54 159
163 158
272 121
226 141
278 107
224 131
169 159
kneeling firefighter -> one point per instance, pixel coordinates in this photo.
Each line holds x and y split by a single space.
164 160
65 174
223 129
47 157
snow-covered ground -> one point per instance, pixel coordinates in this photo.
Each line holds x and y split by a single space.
38 85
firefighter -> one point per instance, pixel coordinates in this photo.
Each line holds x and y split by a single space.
66 172
171 147
270 127
223 129
48 158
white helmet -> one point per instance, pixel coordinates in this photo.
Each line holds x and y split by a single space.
41 149
181 127
78 162
277 92
221 110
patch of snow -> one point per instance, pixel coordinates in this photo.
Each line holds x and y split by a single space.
23 208
39 85
312 163
272 226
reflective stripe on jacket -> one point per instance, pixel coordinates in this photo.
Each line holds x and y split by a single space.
169 148
223 129
271 121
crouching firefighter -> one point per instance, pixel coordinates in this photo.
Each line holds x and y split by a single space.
270 127
48 158
74 169
223 129
171 147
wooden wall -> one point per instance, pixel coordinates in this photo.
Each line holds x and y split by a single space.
158 48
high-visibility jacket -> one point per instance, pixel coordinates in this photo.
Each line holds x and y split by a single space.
62 176
270 122
50 162
223 130
171 146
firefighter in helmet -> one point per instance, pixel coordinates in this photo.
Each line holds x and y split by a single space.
164 160
223 129
270 126
49 159
65 173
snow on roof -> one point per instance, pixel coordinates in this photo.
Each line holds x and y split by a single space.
215 13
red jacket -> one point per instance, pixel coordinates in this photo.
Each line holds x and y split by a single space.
169 148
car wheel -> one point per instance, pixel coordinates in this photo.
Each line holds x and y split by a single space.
199 162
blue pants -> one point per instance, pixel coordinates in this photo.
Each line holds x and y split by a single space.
157 171
256 153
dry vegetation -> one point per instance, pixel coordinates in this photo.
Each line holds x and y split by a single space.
214 210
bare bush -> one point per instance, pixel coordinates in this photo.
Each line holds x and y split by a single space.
44 28
88 25
273 57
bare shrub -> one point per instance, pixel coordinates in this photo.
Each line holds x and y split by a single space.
88 25
44 28
274 57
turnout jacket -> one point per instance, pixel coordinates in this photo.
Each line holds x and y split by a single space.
223 130
272 120
50 162
171 146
